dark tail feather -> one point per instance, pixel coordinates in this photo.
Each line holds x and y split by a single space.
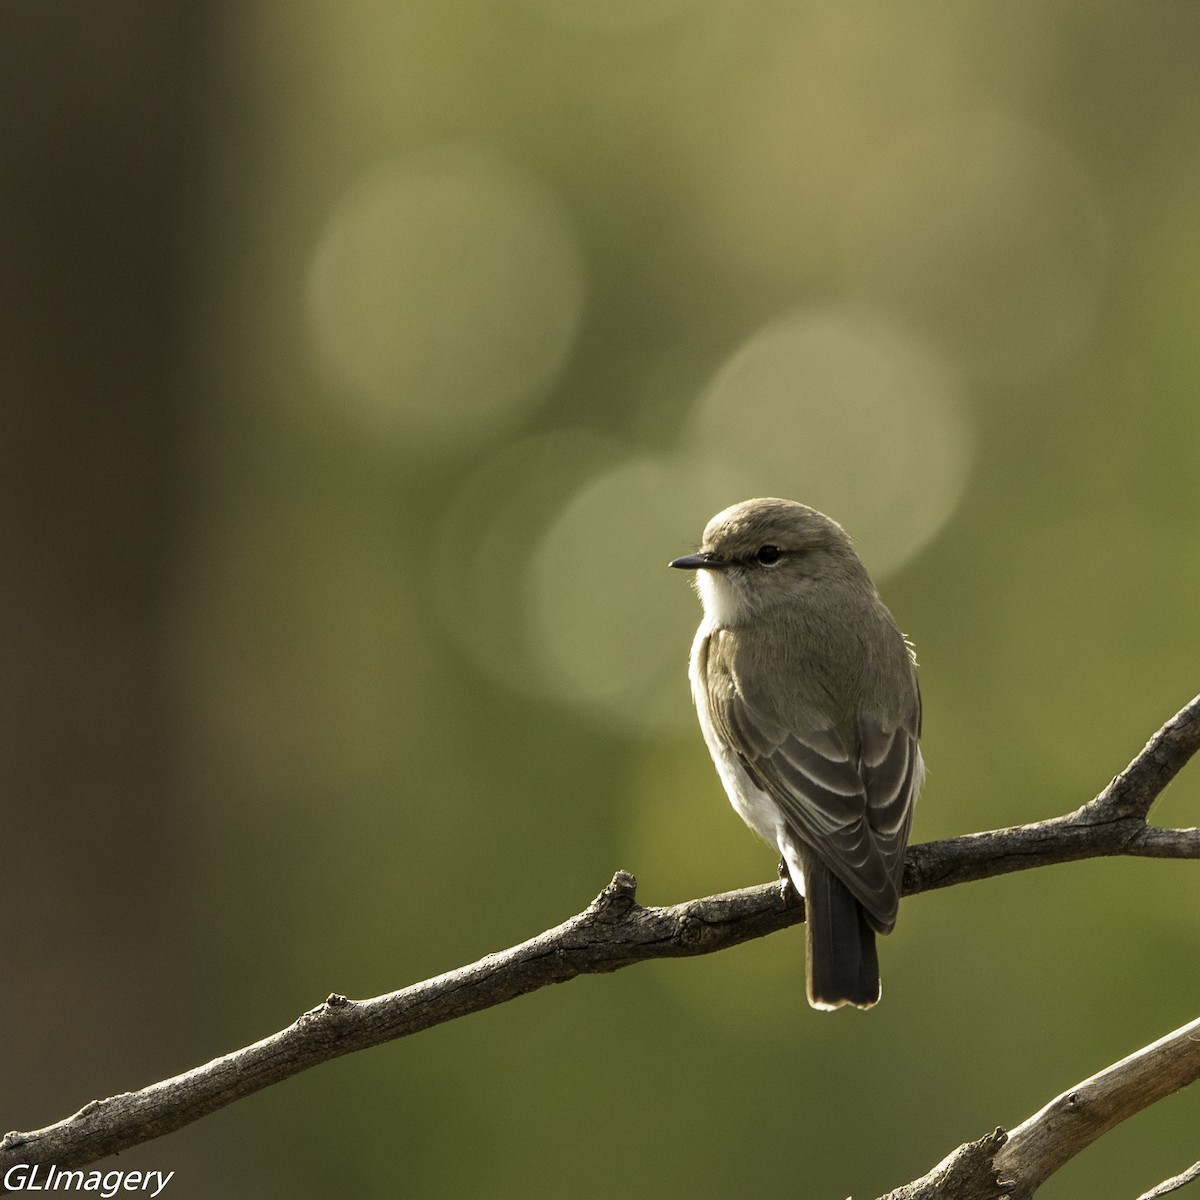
842 965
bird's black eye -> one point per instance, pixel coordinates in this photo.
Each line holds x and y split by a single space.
768 555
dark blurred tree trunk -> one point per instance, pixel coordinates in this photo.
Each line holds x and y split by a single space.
97 173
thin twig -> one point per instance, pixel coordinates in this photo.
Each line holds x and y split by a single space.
1173 1184
613 932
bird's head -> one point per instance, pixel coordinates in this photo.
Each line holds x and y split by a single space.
762 553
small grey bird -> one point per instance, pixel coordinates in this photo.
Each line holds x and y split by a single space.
807 696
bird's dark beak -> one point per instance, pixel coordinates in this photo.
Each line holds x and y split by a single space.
698 562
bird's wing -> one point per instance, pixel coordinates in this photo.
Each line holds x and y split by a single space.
852 804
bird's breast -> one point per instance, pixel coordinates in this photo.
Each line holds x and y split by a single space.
749 801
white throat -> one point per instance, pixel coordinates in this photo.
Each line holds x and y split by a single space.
724 604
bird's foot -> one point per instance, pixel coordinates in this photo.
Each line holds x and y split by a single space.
787 890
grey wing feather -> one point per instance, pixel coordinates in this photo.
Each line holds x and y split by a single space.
852 805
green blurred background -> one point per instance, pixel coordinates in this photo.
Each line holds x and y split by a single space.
364 364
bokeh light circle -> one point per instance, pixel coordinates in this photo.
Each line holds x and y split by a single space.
842 410
486 538
985 233
444 294
611 624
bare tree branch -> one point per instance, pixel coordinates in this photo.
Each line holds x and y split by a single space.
1113 823
1072 1121
1173 1184
614 931
965 1174
1012 1166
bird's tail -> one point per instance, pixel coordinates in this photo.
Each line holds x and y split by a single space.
840 944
